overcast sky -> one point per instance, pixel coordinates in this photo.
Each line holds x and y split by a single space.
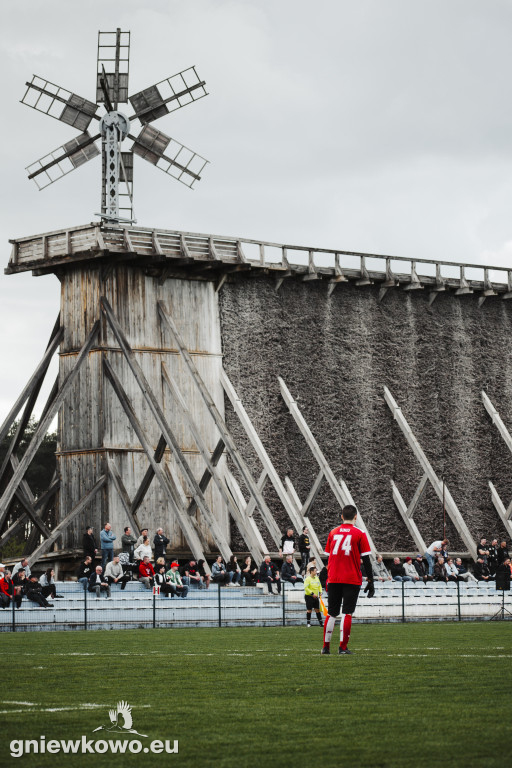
372 125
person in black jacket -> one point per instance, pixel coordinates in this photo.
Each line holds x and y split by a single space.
270 575
84 571
304 549
89 543
34 593
288 572
503 553
492 559
422 569
481 570
249 571
160 543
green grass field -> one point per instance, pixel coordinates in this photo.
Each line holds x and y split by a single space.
411 694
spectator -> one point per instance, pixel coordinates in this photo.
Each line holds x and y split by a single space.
304 549
180 589
143 532
114 573
2 570
435 548
422 569
20 581
451 570
8 591
398 572
288 572
144 550
483 550
234 571
159 563
482 571
162 581
463 573
503 574
48 586
440 571
33 591
89 543
287 543
107 539
270 575
322 575
160 541
380 572
492 558
503 552
249 572
219 572
128 542
146 572
204 576
190 575
98 583
312 592
84 572
410 570
22 565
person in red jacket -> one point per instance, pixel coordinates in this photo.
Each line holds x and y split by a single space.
7 592
146 572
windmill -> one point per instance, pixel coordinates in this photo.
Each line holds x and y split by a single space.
114 126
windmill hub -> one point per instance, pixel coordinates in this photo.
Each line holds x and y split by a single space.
115 120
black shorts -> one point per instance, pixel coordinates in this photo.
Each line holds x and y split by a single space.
338 593
312 602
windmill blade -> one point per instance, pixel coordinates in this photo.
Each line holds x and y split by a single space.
59 103
168 95
179 162
63 160
114 61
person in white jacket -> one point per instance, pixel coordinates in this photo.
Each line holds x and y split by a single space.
144 550
410 570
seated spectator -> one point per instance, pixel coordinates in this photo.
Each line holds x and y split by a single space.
435 549
482 550
98 583
19 581
34 593
144 550
190 575
84 571
288 572
23 564
492 558
114 573
47 582
422 569
312 593
159 562
451 570
233 570
410 570
8 592
397 571
482 571
380 572
270 575
464 574
249 572
503 552
440 571
180 589
205 577
146 572
162 581
219 572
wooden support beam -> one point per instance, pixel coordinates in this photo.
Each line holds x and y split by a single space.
42 507
315 488
281 277
44 423
463 288
157 248
508 293
148 477
415 283
120 487
339 277
496 419
61 527
365 275
207 476
28 501
221 426
220 282
317 550
407 518
340 492
436 483
500 509
246 523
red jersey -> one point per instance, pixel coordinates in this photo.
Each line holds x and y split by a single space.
345 546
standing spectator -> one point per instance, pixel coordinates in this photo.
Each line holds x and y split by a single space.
162 581
483 550
89 543
304 549
397 571
503 575
34 593
380 572
98 583
2 570
160 542
114 573
249 572
435 548
270 575
219 572
128 542
463 573
440 571
503 553
492 558
422 569
84 572
190 575
410 570
287 543
144 550
482 571
143 532
181 590
234 571
107 539
451 570
47 582
312 592
288 572
22 565
204 576
146 572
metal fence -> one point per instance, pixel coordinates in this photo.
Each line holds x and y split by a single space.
136 607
